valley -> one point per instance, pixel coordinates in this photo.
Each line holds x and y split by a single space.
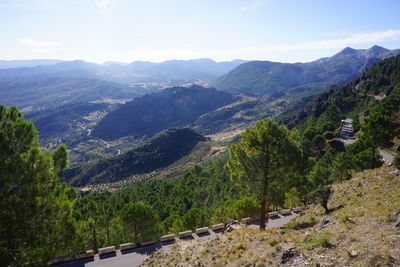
131 164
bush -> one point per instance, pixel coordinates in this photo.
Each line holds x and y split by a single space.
318 241
329 135
362 160
292 198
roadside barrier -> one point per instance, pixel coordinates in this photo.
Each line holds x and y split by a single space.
185 234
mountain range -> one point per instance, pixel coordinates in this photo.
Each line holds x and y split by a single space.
138 71
301 79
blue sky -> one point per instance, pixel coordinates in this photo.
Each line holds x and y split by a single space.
158 30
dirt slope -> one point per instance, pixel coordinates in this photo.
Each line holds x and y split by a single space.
361 232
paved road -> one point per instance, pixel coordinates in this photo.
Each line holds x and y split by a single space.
387 157
346 133
276 222
136 256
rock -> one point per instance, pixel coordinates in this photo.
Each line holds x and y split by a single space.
353 253
290 253
397 224
396 215
395 172
324 222
228 226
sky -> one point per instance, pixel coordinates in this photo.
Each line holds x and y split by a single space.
223 30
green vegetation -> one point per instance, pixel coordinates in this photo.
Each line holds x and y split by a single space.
152 113
318 241
35 209
376 131
47 91
321 195
270 167
56 121
189 202
159 152
299 79
139 219
261 159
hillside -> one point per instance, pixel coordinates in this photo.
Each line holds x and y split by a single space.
46 91
238 115
159 152
51 123
300 79
149 114
378 84
360 232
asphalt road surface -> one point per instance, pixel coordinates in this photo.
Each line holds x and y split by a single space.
136 256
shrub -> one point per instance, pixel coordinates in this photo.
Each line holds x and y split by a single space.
318 241
329 135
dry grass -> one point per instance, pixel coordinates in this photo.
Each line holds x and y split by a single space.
361 233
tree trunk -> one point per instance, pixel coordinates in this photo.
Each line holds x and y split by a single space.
108 230
262 214
373 158
94 239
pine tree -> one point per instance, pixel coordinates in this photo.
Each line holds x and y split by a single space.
265 154
35 208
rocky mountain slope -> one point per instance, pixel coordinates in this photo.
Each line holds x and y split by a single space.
299 79
360 230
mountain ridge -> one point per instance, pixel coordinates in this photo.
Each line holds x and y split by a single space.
269 78
151 113
158 152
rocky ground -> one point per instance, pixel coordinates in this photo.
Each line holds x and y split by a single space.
359 231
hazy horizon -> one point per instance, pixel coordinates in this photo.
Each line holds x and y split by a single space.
156 31
167 60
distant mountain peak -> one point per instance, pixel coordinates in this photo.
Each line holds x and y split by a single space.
347 51
377 48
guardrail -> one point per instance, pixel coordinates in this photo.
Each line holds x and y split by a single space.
165 238
67 258
106 250
127 246
185 234
202 230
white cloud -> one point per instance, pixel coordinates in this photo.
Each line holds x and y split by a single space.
256 4
103 3
40 46
31 42
258 52
45 49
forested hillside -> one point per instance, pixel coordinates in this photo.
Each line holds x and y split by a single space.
378 85
44 91
268 168
158 152
149 114
66 118
300 79
305 178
